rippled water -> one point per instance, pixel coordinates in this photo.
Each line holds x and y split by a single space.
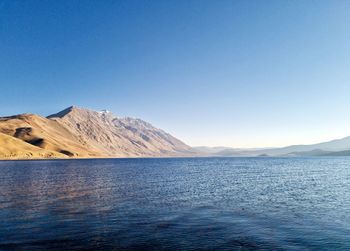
176 204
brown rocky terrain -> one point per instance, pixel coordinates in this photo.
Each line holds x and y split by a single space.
13 148
82 133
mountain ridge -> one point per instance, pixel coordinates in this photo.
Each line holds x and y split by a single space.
83 133
77 132
336 147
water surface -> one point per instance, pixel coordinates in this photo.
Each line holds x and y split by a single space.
176 204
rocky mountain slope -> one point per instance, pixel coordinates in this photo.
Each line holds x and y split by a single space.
78 132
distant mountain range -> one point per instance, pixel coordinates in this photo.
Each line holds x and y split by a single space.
338 147
81 133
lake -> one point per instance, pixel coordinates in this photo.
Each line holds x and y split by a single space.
176 204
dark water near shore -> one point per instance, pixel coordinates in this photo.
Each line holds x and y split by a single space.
176 204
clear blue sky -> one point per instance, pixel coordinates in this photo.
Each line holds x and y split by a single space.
233 73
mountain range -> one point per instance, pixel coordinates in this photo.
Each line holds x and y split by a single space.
81 133
338 147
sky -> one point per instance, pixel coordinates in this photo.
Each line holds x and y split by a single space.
213 73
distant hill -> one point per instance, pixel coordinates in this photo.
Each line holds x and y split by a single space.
206 150
82 133
338 147
312 150
338 153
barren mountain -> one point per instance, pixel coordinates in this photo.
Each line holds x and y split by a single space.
78 132
121 137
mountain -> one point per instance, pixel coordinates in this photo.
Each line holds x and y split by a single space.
120 137
338 147
82 133
221 151
206 150
311 150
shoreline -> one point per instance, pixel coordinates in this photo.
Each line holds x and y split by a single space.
174 157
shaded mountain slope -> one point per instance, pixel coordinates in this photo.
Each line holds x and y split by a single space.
13 148
46 134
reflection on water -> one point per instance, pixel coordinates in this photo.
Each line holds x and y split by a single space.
176 204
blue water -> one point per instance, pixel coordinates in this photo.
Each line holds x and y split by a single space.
176 204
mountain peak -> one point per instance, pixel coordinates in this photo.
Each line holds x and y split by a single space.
62 113
69 110
104 111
